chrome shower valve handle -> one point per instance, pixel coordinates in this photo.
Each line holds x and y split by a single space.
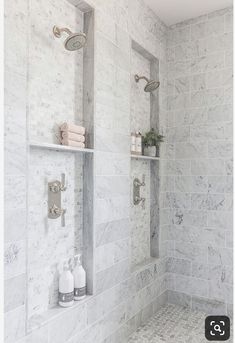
54 199
57 212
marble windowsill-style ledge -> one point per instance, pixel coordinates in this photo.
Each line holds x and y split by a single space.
138 267
142 157
38 320
58 147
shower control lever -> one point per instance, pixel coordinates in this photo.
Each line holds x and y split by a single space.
54 199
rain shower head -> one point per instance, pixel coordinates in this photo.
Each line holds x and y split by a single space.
151 85
74 41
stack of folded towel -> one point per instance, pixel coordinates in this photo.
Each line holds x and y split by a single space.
72 135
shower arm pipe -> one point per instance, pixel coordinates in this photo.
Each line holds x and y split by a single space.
137 78
57 31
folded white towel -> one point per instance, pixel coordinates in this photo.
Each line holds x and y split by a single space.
72 143
72 136
73 128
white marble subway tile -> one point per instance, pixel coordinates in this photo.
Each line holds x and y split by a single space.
228 130
109 254
178 298
220 184
228 22
105 302
196 218
229 239
191 184
178 35
210 97
208 202
15 230
37 336
223 256
175 167
68 324
190 285
198 31
111 186
219 43
105 25
220 149
112 276
212 306
198 116
167 184
177 200
179 69
14 259
109 141
215 25
178 266
208 167
197 235
228 58
229 166
177 134
182 85
198 82
207 63
111 209
220 113
184 51
222 220
14 324
112 163
14 292
191 150
15 197
207 132
179 101
191 252
111 231
213 272
143 278
228 95
16 22
220 291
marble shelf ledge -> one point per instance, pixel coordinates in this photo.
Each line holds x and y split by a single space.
141 266
58 147
39 320
142 157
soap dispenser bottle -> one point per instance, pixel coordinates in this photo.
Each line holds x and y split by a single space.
66 287
79 279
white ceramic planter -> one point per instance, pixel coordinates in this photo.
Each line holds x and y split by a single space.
150 151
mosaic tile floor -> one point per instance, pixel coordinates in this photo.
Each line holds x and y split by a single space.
172 324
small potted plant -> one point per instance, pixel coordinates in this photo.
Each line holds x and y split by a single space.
151 141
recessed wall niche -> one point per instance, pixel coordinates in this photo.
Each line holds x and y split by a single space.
144 116
65 94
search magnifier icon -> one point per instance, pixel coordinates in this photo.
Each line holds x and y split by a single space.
217 328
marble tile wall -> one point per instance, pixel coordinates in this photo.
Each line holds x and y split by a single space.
199 172
122 299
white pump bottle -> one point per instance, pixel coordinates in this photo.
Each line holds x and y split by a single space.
79 275
66 287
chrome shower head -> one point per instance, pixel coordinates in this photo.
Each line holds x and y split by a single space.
151 85
74 41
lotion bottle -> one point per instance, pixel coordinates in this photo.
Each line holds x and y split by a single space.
138 143
79 280
66 287
133 142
